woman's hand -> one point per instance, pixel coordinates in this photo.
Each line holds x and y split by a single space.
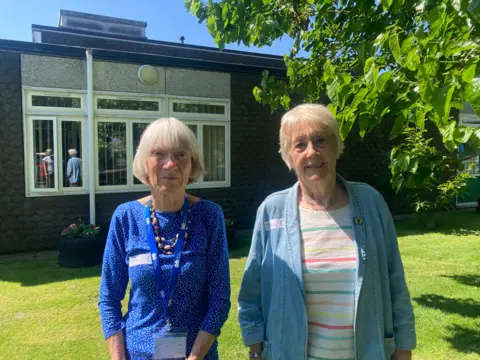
116 346
402 355
203 343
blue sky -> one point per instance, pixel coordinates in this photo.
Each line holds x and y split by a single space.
167 19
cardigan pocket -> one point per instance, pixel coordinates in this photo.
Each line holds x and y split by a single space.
389 347
266 355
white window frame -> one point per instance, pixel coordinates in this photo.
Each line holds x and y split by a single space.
59 189
129 117
49 110
128 113
129 159
198 116
206 119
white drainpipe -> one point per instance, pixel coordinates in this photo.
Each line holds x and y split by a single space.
90 136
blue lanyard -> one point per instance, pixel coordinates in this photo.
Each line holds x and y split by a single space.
166 298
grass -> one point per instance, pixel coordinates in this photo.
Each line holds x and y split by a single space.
48 312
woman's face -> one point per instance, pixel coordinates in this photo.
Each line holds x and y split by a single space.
169 169
313 154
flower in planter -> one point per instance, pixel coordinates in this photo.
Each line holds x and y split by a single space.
80 229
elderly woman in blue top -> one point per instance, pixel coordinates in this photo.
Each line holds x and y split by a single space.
324 278
172 249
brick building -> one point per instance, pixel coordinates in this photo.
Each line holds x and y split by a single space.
93 83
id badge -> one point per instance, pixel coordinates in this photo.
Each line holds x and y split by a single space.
170 345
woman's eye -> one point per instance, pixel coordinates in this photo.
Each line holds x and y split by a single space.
320 141
300 145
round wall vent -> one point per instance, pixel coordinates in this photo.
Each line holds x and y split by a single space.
147 74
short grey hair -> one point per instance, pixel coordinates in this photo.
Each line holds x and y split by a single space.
72 152
172 134
315 114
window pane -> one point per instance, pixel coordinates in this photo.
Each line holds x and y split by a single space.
194 129
214 152
72 153
56 101
199 108
117 104
43 154
138 129
112 154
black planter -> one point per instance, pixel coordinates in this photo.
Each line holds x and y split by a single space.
81 251
231 239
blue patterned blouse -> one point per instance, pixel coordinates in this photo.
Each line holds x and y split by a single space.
201 300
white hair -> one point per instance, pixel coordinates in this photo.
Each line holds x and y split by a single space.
316 115
171 133
72 152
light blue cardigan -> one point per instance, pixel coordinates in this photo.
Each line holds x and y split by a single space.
272 301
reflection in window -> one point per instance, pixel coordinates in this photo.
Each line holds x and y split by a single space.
72 153
56 101
214 152
43 154
118 104
112 154
198 108
137 130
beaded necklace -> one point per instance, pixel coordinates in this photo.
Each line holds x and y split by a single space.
166 246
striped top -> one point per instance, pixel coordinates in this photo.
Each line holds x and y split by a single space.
329 262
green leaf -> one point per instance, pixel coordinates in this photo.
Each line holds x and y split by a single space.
413 60
441 101
448 131
285 101
386 4
395 48
462 134
413 167
382 80
475 139
420 117
359 96
332 90
469 73
328 71
364 122
406 45
399 124
346 125
333 109
371 72
397 182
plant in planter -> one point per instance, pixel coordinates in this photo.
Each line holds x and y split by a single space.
81 245
230 227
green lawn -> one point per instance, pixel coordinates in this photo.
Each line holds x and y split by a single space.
48 312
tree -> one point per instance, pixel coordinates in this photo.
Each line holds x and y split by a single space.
408 60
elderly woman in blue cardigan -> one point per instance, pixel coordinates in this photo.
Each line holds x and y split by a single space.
171 247
324 278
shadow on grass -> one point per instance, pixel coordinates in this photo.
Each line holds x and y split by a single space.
470 280
40 268
464 339
457 224
465 307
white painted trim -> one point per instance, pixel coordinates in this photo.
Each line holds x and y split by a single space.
26 145
466 205
469 120
91 136
126 113
47 89
47 110
199 116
